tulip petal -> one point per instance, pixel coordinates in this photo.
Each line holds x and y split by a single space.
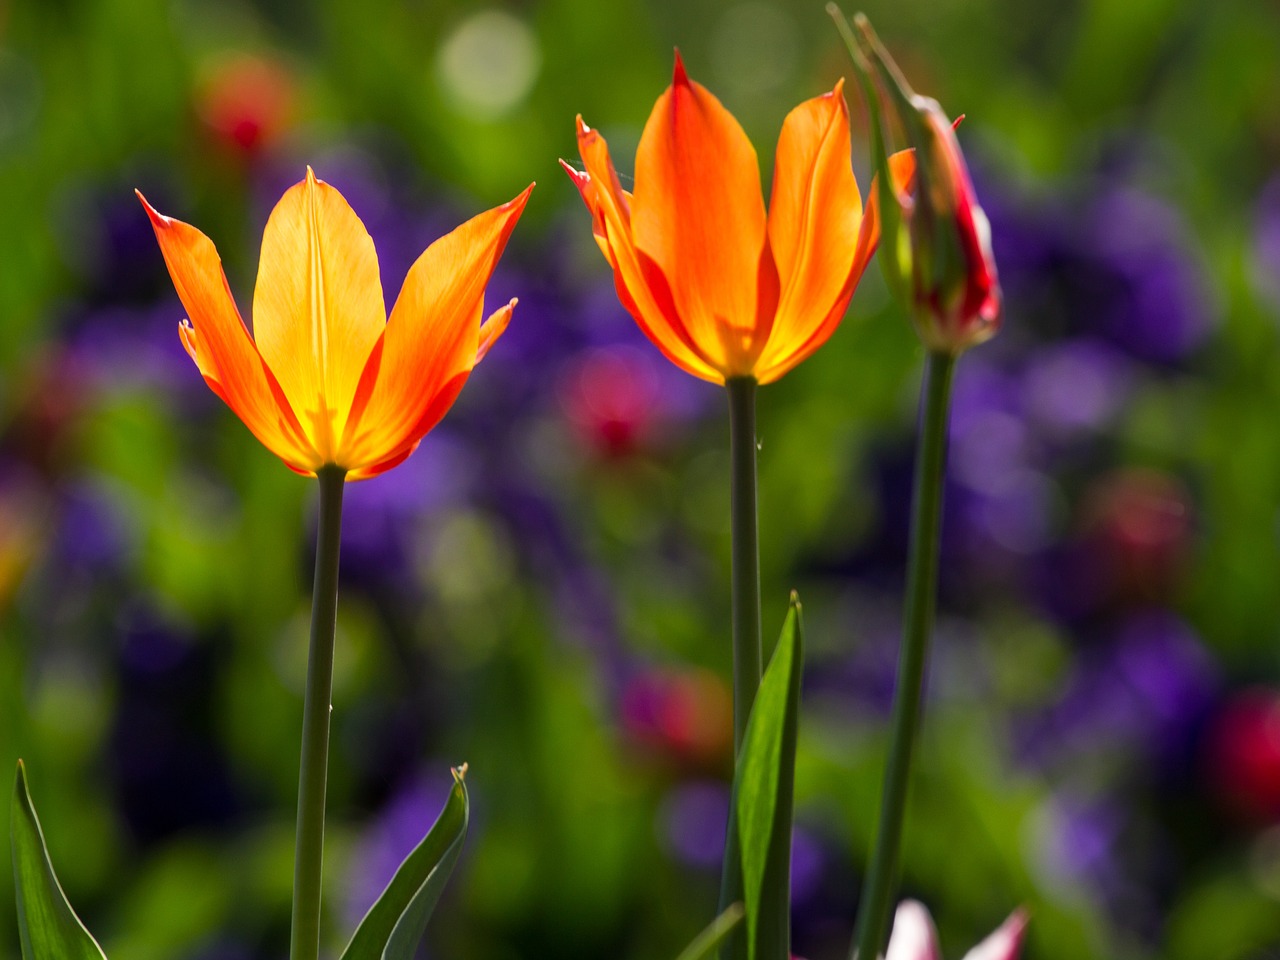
913 937
641 287
431 342
1005 943
698 214
216 339
317 307
495 327
815 219
902 169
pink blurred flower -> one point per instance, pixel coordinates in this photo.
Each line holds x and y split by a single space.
914 937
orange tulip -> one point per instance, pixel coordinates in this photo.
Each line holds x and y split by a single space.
328 380
721 288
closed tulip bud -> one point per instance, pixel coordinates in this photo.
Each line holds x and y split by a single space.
936 239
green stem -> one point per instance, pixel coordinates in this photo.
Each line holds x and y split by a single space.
304 941
922 582
746 552
747 653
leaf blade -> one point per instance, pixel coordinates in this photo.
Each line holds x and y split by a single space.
396 921
47 926
763 795
705 944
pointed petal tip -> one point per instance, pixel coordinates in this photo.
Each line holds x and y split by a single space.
158 219
311 175
678 75
519 200
838 89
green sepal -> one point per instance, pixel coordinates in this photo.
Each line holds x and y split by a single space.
706 943
895 261
763 793
395 923
47 926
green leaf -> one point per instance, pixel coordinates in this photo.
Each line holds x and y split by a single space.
395 923
47 926
706 943
763 790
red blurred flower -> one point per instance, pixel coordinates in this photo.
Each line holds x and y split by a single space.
612 397
683 716
1139 528
1242 754
247 102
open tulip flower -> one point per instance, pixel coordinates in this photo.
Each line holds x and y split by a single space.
914 937
721 288
327 380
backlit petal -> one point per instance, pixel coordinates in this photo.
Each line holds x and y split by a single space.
815 216
317 307
220 345
431 342
902 168
1005 943
494 327
913 937
698 214
641 286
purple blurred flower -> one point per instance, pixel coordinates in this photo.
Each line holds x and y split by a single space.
1144 692
1266 243
692 821
1076 387
1104 258
382 516
1157 302
121 348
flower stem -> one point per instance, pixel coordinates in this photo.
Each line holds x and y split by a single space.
747 654
304 941
746 552
922 581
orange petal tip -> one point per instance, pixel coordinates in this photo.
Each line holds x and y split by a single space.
580 177
519 200
838 89
678 75
311 175
158 219
583 129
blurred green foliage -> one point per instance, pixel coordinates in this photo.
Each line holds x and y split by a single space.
166 780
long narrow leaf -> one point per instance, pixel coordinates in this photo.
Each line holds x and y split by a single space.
763 796
47 926
395 923
706 943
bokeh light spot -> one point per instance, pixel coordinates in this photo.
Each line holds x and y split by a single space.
755 47
489 63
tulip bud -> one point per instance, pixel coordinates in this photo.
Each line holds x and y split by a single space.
935 237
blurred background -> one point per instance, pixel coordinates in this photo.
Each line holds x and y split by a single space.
542 590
